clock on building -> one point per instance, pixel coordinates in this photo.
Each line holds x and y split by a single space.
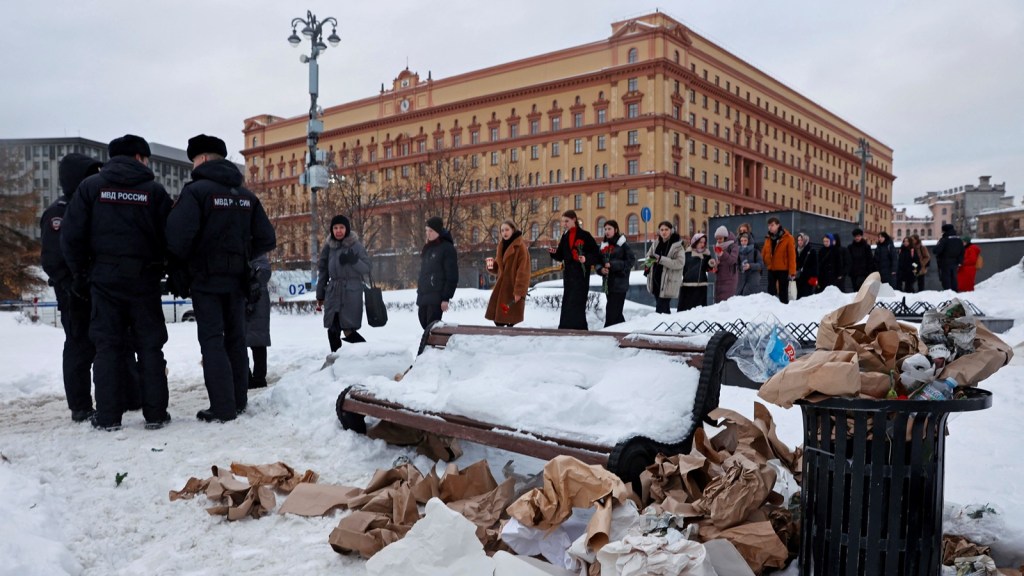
404 105
404 83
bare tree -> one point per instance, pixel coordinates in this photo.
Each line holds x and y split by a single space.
518 202
440 188
18 248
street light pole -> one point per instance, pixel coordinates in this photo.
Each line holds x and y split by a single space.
864 151
315 177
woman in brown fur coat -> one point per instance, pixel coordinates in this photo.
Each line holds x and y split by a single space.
512 265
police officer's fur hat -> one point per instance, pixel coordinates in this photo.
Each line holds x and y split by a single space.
128 145
203 144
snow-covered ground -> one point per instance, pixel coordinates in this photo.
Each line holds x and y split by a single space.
61 511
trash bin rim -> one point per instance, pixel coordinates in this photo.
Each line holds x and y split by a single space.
977 399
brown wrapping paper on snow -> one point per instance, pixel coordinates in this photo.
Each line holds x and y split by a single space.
237 499
829 373
568 484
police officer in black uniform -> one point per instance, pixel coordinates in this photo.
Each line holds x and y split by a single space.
216 227
113 240
74 312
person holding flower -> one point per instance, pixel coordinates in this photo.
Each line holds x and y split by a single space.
512 266
617 260
664 266
578 250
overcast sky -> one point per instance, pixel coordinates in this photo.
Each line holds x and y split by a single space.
940 81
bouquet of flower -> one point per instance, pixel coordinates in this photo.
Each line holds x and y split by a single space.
577 253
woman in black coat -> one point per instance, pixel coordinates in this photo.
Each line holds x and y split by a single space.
909 262
830 263
618 261
578 250
257 321
697 263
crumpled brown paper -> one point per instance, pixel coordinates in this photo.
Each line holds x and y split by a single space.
954 547
864 359
278 475
237 499
730 498
568 484
433 446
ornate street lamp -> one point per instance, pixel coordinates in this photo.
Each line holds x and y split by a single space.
315 177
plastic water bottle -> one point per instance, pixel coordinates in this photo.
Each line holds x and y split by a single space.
936 390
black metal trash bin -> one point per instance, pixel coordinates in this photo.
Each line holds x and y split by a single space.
871 506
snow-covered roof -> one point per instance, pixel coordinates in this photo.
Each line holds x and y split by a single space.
919 211
1001 210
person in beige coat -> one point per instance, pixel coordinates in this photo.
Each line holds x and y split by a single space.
512 266
664 267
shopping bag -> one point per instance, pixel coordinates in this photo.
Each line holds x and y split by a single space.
376 310
792 290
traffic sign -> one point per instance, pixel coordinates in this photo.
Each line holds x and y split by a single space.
645 214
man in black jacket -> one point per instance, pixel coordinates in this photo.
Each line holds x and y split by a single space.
886 258
949 253
439 273
112 238
216 227
862 262
74 312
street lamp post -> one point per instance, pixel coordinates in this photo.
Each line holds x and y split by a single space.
864 151
315 177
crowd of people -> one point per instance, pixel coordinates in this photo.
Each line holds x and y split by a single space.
110 240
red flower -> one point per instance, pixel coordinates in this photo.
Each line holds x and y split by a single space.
505 308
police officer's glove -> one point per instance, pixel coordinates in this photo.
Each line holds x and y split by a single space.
348 258
178 281
253 294
80 287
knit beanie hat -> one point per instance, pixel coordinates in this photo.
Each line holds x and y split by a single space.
339 219
696 238
722 232
436 224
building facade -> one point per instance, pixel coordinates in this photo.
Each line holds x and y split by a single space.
653 116
960 206
38 161
1001 222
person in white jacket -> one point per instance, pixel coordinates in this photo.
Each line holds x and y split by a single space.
664 267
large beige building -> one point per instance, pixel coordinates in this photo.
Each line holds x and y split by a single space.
652 116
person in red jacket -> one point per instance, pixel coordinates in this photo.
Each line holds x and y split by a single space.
779 255
969 268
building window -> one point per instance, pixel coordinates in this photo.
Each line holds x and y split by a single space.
600 199
600 224
633 110
494 158
577 120
691 202
675 168
494 134
632 197
513 155
474 137
604 170
534 152
494 209
675 198
534 232
602 141
556 124
703 176
474 161
602 116
534 126
693 119
632 137
633 167
405 171
577 146
632 225
704 151
554 204
556 149
632 55
513 131
577 202
714 180
631 85
704 205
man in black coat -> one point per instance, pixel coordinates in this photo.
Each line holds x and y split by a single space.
862 262
949 253
216 227
112 238
74 312
886 259
439 273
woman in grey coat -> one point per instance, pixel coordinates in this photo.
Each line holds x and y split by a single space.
750 266
339 288
257 322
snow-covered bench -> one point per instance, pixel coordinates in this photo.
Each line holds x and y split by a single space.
606 398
